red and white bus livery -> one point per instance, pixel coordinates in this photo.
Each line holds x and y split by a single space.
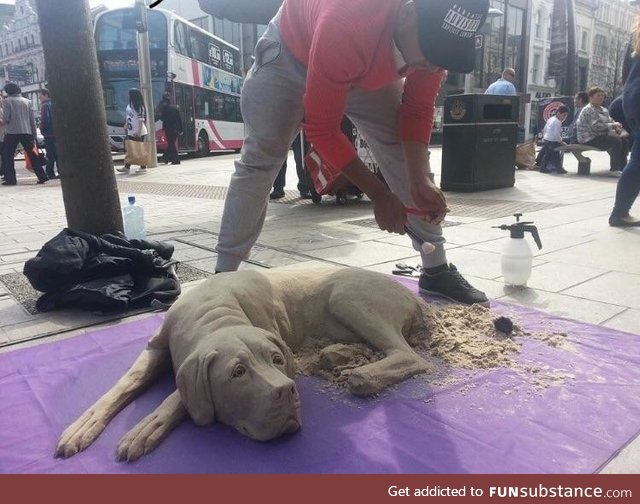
199 70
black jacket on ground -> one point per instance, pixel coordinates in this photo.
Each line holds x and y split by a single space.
106 273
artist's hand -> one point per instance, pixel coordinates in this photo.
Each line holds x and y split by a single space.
390 213
429 198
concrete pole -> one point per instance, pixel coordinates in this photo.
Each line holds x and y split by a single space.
572 64
144 59
468 83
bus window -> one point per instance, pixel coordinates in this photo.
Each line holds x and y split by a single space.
230 108
218 106
192 43
181 38
205 104
113 31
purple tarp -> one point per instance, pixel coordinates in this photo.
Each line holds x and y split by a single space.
497 424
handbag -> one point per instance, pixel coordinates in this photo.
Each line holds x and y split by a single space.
38 154
526 156
137 153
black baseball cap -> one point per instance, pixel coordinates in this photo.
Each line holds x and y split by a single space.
447 29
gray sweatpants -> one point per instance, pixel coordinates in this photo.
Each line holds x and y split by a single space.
272 110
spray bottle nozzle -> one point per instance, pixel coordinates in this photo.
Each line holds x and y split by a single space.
534 232
518 229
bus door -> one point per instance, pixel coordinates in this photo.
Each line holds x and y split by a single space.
184 102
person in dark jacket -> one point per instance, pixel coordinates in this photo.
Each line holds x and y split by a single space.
629 184
172 126
46 128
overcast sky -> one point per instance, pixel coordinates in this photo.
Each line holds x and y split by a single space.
92 3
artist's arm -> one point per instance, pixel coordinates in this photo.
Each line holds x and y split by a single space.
425 194
334 64
415 126
389 211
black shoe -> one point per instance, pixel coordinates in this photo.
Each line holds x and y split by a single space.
306 194
276 194
8 183
175 162
450 284
544 170
623 222
42 181
561 171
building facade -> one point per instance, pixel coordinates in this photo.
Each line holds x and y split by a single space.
518 37
612 24
21 53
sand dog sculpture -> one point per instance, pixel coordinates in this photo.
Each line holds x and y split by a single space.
229 340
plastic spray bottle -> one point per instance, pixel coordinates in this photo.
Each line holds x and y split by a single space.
517 256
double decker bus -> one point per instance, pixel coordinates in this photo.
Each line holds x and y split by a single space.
199 70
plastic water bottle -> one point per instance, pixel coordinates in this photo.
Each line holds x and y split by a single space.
133 220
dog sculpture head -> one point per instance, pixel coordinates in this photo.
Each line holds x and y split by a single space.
243 378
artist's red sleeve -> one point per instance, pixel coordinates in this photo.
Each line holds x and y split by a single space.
333 66
415 121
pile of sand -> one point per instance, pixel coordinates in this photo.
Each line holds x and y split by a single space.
465 337
455 338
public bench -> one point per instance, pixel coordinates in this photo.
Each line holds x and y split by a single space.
584 163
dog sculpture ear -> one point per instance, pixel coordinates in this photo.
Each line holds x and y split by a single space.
288 355
192 379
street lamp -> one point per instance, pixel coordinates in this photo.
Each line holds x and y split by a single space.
468 78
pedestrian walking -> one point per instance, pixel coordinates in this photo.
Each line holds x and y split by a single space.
46 128
279 183
322 59
135 126
172 127
304 184
629 184
20 129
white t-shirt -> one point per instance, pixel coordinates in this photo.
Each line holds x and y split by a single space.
136 122
553 130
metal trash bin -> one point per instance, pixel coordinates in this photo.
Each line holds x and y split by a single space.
480 136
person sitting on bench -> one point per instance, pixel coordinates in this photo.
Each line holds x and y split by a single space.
580 101
597 129
550 159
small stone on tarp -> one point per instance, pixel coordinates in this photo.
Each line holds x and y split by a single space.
504 325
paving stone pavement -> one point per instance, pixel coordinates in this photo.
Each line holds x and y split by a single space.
586 270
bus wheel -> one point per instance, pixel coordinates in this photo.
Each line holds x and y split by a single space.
203 144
